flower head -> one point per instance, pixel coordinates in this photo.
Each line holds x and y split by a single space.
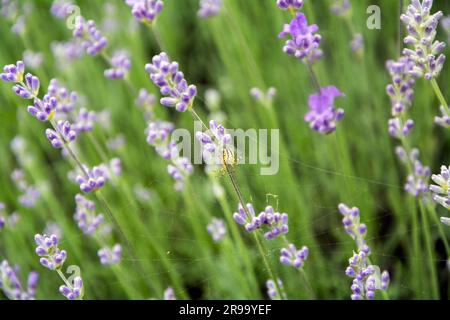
166 75
444 119
11 285
322 115
290 256
13 73
75 291
33 59
61 8
169 294
44 109
64 134
441 190
401 91
66 99
85 216
47 248
91 38
354 227
217 229
121 65
341 7
85 121
209 8
110 256
421 26
272 291
92 179
304 42
217 147
145 11
290 4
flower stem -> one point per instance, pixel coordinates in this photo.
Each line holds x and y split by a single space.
439 95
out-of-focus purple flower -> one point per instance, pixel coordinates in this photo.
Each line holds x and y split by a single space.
166 75
209 8
366 278
341 7
272 291
47 248
30 197
92 39
265 98
354 227
116 143
9 9
85 121
169 294
66 99
19 25
12 286
44 109
66 52
2 217
75 291
421 26
142 193
217 229
322 115
417 182
290 4
357 43
85 216
145 11
158 133
110 256
95 179
304 42
446 221
290 256
61 8
444 119
121 65
399 129
441 190
217 145
64 134
146 101
51 227
13 73
179 170
32 59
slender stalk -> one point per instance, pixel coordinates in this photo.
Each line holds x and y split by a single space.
314 78
430 250
439 95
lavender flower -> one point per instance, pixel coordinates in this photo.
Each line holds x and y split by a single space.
357 43
121 65
209 8
74 292
217 229
66 52
30 197
353 227
399 129
251 222
47 248
13 73
366 277
85 216
66 99
33 59
322 115
304 44
146 101
63 134
341 7
421 26
272 291
158 133
12 286
444 120
217 145
266 98
441 190
166 75
61 8
169 294
290 256
145 11
290 4
110 256
85 121
179 170
51 227
44 109
95 179
2 222
417 182
445 221
401 91
92 39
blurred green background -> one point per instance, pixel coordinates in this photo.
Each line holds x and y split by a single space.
233 52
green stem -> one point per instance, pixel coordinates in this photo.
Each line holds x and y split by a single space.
439 95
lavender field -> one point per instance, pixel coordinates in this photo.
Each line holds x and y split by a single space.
224 149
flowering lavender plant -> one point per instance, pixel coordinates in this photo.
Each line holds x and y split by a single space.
121 65
92 40
272 291
304 42
290 256
11 285
290 4
85 215
421 26
110 256
322 115
217 229
64 134
417 180
441 190
47 248
166 75
75 291
209 8
92 179
145 11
